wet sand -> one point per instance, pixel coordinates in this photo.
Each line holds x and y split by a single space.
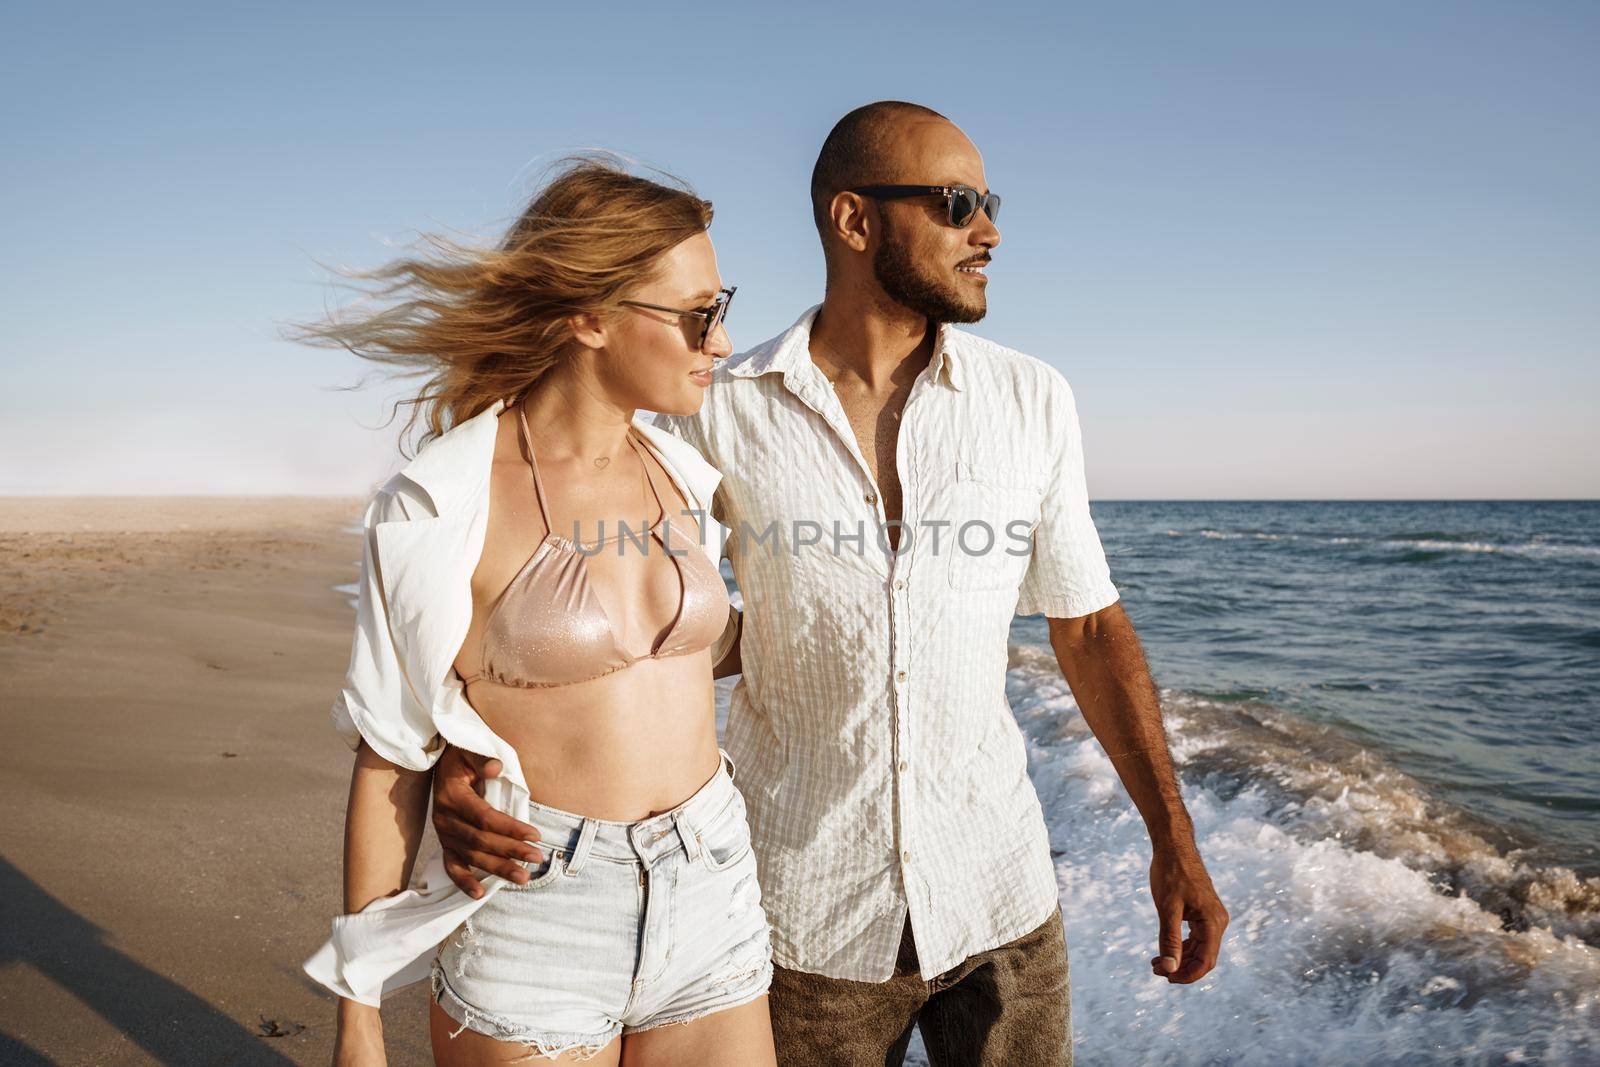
173 791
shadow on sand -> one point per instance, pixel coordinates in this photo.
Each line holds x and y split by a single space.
161 1017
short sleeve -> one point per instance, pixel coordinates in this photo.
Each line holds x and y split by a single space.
1067 573
378 703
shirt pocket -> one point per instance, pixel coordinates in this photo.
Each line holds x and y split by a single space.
995 508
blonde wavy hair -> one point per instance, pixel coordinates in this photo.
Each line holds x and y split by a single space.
484 324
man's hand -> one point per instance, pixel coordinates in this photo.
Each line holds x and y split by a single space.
1103 662
1183 892
473 834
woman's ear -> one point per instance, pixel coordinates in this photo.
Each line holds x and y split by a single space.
588 330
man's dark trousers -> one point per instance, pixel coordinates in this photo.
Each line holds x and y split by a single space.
1008 1006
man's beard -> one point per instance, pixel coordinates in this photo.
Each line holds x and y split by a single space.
897 271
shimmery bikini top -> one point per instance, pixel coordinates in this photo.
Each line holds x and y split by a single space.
547 628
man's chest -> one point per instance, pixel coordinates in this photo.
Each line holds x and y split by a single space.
874 422
787 465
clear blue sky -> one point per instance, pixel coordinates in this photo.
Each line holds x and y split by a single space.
1280 250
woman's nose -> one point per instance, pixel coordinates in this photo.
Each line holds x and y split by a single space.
719 345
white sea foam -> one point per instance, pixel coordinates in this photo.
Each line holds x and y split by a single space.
1342 948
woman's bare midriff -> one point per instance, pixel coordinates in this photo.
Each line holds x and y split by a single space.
622 747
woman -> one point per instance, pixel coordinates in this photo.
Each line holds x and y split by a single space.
537 587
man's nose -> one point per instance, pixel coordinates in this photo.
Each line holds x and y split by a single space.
983 232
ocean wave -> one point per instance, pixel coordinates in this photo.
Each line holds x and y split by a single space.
1434 548
1245 535
1532 549
1371 922
1446 546
1433 544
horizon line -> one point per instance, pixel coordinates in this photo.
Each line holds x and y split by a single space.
22 495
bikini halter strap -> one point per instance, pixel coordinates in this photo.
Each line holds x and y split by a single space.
649 478
526 440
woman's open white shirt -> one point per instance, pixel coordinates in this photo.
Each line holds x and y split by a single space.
422 535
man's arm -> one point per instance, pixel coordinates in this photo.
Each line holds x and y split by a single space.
1102 660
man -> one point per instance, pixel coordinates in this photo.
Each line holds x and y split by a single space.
904 859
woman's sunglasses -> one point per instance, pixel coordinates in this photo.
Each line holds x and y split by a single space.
962 201
707 319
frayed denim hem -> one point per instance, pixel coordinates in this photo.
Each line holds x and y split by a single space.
759 988
548 1044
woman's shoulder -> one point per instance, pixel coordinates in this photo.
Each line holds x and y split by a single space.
448 472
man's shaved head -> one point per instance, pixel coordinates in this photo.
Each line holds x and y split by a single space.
905 250
859 149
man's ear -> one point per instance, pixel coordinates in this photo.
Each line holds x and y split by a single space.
852 220
587 330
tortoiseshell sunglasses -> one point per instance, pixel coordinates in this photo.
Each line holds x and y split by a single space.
709 317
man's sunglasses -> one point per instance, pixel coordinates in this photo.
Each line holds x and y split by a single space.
962 201
707 319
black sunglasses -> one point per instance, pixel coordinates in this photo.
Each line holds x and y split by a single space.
963 201
709 317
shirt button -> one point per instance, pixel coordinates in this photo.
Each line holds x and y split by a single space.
900 676
899 583
870 497
905 857
904 766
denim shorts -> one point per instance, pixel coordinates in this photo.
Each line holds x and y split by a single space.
623 927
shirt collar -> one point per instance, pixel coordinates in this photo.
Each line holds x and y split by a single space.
948 359
785 353
789 353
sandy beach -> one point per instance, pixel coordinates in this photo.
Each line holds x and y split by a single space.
173 791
